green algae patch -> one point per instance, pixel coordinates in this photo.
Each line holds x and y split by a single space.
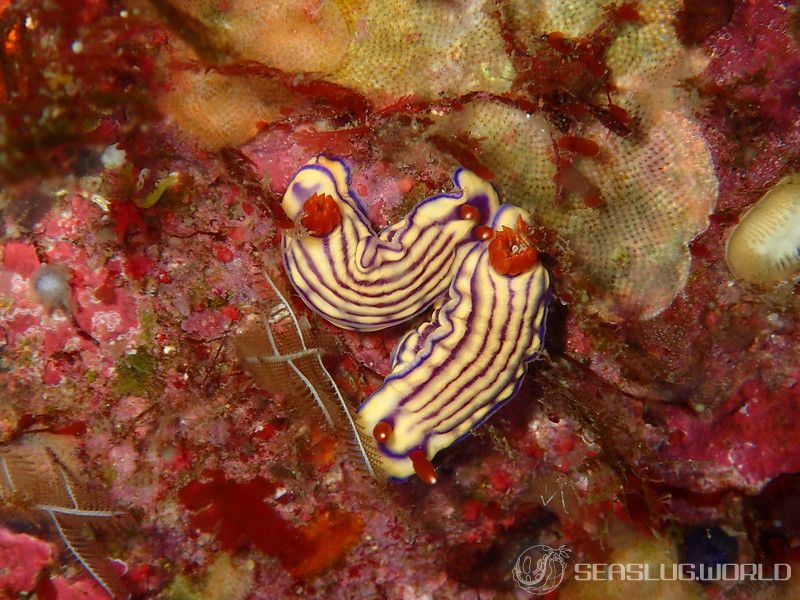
136 374
224 580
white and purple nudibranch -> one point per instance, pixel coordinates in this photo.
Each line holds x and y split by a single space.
463 253
360 280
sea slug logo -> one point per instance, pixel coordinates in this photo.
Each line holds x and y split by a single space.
540 569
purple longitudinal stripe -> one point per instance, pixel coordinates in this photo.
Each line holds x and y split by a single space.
425 283
422 334
380 318
446 241
360 211
429 343
437 251
448 315
463 387
403 298
524 342
456 396
345 250
397 236
431 340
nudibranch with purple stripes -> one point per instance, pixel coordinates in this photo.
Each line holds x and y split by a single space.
453 372
364 281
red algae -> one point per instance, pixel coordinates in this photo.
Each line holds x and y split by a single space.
464 151
237 514
699 19
580 145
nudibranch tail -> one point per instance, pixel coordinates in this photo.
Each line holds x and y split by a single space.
453 372
276 354
360 280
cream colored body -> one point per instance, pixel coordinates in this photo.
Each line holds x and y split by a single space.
452 372
360 280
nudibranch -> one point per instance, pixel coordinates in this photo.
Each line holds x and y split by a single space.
453 372
364 281
765 246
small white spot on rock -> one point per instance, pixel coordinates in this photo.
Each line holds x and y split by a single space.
113 157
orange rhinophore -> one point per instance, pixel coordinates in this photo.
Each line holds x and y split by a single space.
321 214
511 252
422 466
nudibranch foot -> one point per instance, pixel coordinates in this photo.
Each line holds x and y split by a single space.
361 280
454 371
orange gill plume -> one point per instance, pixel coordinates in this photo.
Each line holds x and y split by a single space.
38 474
273 349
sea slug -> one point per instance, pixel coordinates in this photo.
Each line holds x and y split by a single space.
452 373
364 281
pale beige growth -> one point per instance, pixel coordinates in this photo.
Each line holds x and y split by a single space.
381 48
765 246
293 35
426 49
517 147
573 18
218 110
658 193
659 186
648 62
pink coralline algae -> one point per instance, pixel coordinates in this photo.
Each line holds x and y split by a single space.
145 149
730 443
22 558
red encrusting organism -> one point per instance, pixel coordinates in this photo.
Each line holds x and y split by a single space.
579 145
238 514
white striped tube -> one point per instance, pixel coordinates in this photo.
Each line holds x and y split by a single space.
364 281
453 372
